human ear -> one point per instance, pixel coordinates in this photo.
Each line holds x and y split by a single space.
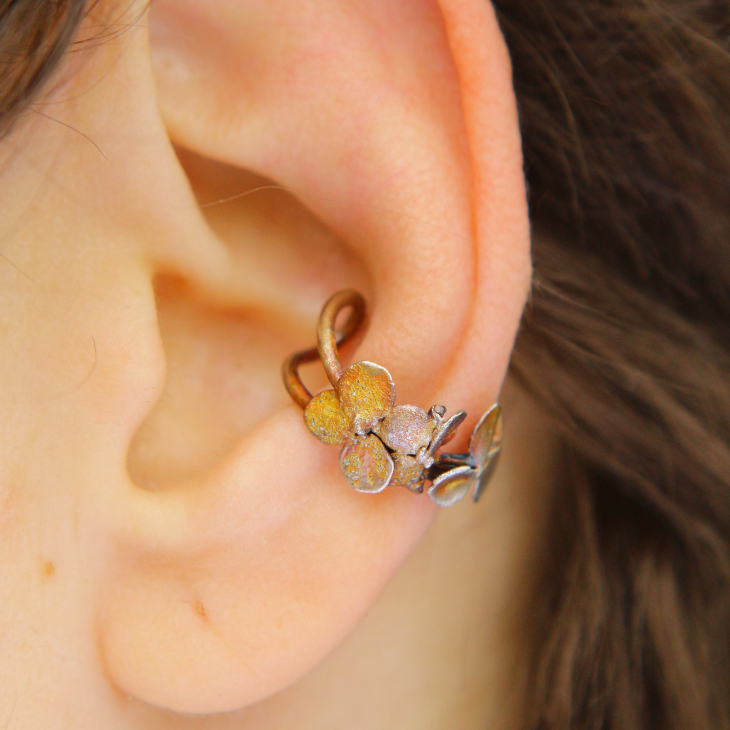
395 125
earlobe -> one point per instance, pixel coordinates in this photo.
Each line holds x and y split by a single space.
401 136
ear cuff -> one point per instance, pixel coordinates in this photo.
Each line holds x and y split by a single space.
382 444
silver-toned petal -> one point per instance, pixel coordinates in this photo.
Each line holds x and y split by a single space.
446 431
486 476
406 429
452 486
486 439
366 464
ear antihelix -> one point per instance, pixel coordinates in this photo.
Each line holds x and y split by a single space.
383 444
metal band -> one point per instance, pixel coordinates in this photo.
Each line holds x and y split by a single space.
327 343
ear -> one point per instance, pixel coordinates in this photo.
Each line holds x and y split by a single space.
395 125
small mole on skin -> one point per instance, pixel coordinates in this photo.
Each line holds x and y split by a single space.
199 609
49 569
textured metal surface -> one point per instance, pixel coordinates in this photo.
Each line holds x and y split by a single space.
453 486
327 341
336 303
326 420
290 372
409 472
447 430
366 393
383 444
485 446
407 429
487 436
366 464
486 476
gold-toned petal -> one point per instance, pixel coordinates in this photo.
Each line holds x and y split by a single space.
486 439
325 419
452 486
486 476
406 429
366 464
366 393
446 431
408 472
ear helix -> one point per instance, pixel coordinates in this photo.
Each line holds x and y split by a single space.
383 444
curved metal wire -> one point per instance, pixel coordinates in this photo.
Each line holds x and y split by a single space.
327 343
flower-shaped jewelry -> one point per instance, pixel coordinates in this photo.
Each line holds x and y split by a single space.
347 416
484 447
381 443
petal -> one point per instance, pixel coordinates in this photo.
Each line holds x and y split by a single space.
366 464
446 431
406 429
408 472
486 476
325 419
451 486
366 393
486 439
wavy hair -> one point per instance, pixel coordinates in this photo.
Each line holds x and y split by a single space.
625 114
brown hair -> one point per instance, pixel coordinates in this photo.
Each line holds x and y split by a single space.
626 130
626 127
34 36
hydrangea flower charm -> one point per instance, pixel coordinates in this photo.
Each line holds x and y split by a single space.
383 444
346 417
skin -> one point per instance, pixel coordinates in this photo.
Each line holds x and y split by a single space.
179 550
